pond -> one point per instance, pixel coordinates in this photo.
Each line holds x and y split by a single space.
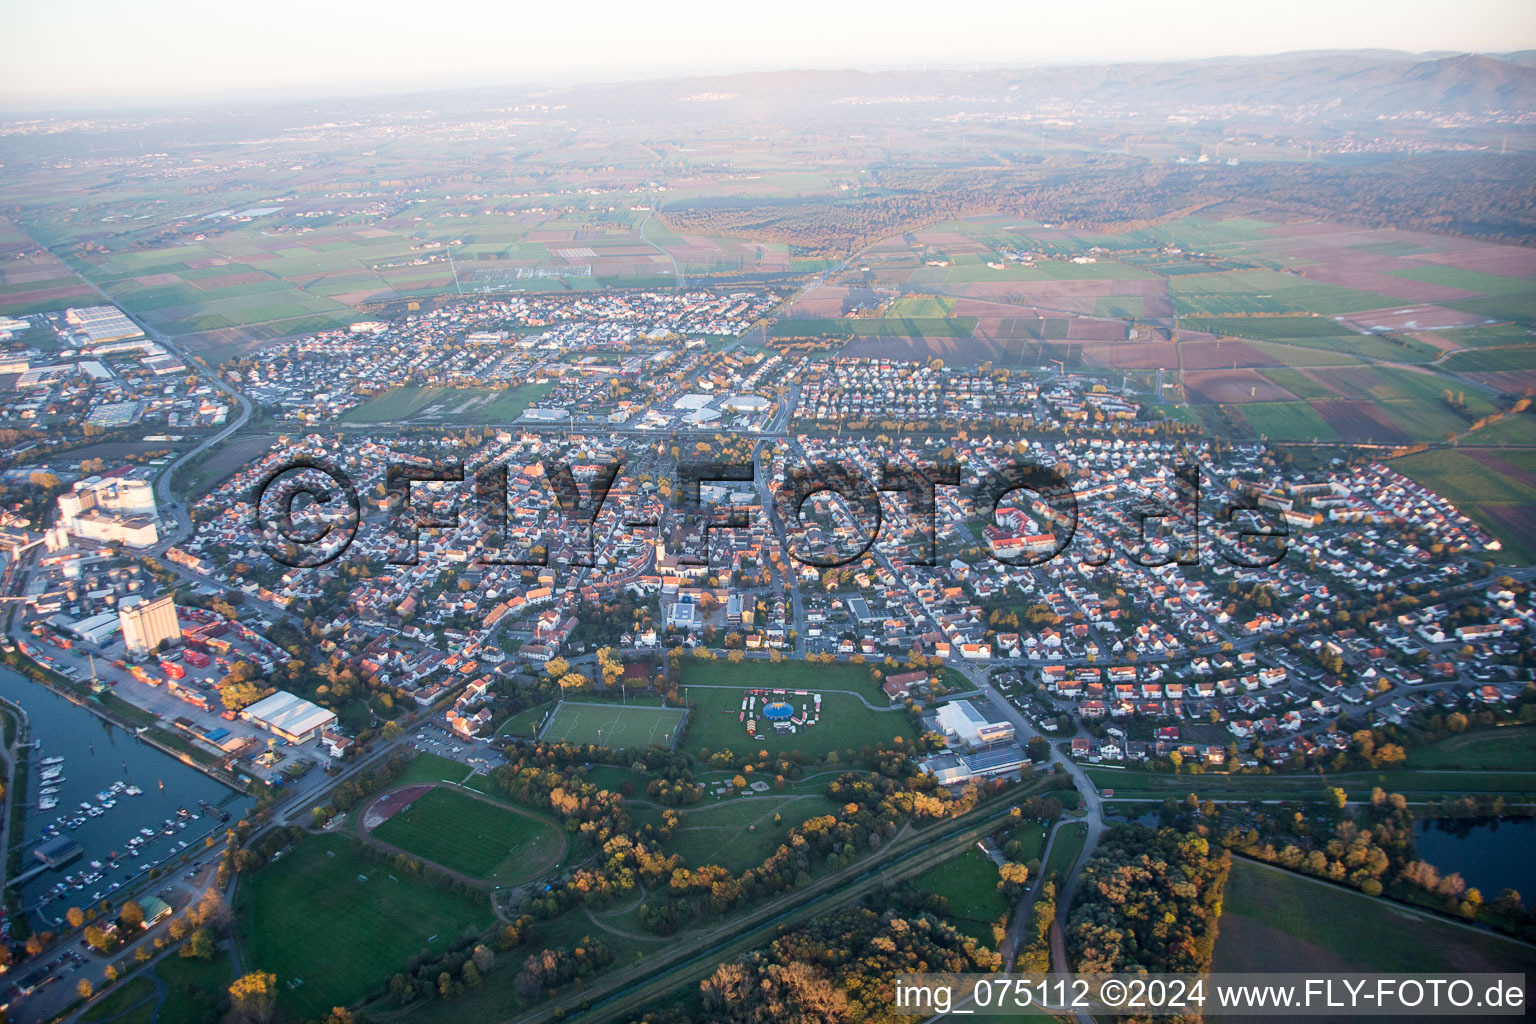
1492 854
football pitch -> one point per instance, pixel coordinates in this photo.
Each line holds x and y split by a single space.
613 725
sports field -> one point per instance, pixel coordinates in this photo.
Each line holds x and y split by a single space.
374 921
473 837
613 725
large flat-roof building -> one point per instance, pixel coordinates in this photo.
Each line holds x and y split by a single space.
145 623
963 725
949 768
291 717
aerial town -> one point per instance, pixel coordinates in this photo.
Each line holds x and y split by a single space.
721 572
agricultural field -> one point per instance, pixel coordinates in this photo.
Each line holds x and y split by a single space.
618 726
1496 487
373 923
473 837
1273 916
33 280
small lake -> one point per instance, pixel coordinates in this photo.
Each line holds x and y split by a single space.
96 757
1491 854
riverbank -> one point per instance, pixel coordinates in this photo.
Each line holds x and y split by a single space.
114 710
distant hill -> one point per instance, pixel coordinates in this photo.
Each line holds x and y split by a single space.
1353 85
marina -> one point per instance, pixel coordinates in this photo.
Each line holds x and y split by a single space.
104 808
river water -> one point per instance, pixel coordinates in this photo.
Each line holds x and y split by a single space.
96 755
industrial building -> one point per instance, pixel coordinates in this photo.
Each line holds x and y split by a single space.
964 726
291 717
146 623
950 768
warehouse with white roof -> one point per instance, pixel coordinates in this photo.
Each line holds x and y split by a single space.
293 718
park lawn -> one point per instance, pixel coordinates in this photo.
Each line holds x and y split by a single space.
1272 916
136 995
791 675
845 725
425 767
525 722
617 726
613 778
719 833
1069 843
195 989
1507 747
373 923
473 837
1031 836
969 882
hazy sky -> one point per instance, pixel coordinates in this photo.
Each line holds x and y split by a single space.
104 53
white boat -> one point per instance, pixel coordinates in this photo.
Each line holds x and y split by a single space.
47 761
47 804
134 791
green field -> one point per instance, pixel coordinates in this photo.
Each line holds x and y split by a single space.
618 726
1065 848
426 767
1503 505
1356 784
1271 916
373 923
1270 328
131 1002
524 722
793 675
738 832
1287 421
1511 748
1493 360
474 837
969 882
846 724
448 405
891 326
194 989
